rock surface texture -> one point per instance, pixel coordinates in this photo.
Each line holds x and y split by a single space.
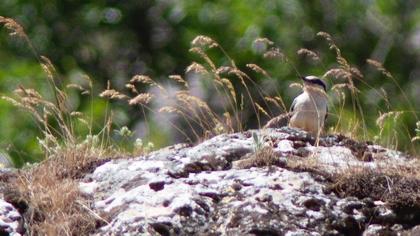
201 190
10 220
258 182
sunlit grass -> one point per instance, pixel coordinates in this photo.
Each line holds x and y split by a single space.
236 103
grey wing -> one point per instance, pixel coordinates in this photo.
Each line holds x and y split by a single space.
326 115
292 107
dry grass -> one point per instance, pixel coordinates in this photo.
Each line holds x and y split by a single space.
260 158
309 53
203 120
48 196
54 206
397 187
349 74
357 126
47 193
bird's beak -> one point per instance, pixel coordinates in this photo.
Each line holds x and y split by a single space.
302 78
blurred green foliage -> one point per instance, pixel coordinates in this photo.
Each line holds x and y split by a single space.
114 40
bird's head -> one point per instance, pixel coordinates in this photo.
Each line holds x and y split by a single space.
314 82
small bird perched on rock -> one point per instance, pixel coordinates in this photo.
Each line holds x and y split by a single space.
309 110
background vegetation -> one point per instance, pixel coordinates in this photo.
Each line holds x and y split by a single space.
114 40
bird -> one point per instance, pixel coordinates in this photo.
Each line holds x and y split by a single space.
309 110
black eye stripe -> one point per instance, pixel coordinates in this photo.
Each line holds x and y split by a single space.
319 82
315 81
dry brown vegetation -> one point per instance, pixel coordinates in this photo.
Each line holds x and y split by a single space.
47 192
240 92
48 197
227 81
396 186
260 158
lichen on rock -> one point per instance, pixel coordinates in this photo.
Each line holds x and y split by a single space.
201 190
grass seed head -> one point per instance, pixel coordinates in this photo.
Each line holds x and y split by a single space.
264 41
15 28
24 92
324 35
337 73
141 99
356 72
202 41
75 86
144 79
224 70
132 88
381 119
296 85
261 109
311 54
258 69
380 67
196 68
112 94
179 79
274 53
230 87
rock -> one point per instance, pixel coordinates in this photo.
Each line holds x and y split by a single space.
11 222
412 232
182 190
374 230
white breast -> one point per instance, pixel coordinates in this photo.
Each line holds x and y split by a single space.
309 112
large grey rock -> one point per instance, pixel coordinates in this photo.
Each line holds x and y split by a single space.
11 222
183 190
